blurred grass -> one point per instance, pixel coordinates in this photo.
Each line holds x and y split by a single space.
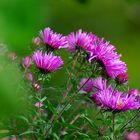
13 91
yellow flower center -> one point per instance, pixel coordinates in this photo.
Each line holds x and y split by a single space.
119 104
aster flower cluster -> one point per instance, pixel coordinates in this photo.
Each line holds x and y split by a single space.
46 61
44 58
108 98
101 63
98 49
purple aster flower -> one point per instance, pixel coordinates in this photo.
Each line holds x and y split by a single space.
107 57
88 87
93 85
117 101
80 40
105 97
52 39
132 136
98 85
47 62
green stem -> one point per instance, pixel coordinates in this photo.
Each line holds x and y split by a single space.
113 126
72 70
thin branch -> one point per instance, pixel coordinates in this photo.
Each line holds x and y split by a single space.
113 125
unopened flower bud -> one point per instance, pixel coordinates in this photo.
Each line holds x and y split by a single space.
38 104
13 138
26 62
37 41
12 55
122 78
133 92
102 131
36 86
29 76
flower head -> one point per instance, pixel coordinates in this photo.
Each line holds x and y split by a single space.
47 62
52 39
98 85
93 85
117 101
88 86
106 55
106 97
80 40
132 136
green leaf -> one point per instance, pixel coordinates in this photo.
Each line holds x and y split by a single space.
56 136
50 107
23 118
92 124
43 99
70 126
28 132
83 135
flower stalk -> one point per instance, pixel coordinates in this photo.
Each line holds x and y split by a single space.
113 125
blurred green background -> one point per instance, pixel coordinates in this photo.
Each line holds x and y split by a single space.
116 20
21 20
